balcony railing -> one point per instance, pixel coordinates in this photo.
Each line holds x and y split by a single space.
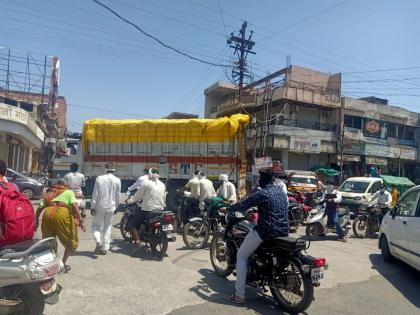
304 124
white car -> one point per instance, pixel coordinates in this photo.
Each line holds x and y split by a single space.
399 236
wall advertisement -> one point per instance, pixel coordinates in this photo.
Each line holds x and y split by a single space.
374 128
305 145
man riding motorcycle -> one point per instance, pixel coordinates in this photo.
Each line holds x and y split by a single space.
384 201
332 199
273 222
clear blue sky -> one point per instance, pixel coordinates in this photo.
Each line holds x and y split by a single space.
106 64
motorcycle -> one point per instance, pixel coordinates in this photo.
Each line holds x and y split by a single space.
368 221
181 206
296 216
316 222
197 230
156 231
297 198
279 264
27 272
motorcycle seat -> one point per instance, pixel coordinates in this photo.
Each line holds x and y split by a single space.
154 215
288 243
22 246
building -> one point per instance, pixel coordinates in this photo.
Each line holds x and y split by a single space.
29 130
379 135
296 112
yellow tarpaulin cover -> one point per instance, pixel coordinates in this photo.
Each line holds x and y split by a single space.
162 130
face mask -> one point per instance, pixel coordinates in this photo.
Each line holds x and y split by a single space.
382 190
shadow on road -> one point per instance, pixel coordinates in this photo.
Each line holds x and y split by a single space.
125 248
213 288
89 254
404 278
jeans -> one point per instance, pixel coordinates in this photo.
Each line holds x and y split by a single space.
191 210
338 227
101 228
249 245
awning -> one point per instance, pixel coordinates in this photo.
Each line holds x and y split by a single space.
397 181
327 171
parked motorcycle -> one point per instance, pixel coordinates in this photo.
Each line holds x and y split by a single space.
279 264
156 231
316 223
296 216
368 221
27 272
181 206
197 230
298 198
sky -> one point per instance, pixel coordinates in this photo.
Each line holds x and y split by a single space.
111 70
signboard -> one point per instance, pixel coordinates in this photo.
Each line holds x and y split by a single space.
373 160
402 153
349 158
306 145
375 129
354 148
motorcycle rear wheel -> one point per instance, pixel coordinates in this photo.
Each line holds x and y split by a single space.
219 256
360 227
302 289
192 238
33 305
159 245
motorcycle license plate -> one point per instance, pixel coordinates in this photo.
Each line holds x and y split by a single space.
317 274
167 227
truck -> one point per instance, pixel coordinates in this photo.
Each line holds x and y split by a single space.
176 147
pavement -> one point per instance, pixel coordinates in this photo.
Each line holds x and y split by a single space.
357 282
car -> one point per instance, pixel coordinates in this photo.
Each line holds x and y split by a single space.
31 187
356 191
399 235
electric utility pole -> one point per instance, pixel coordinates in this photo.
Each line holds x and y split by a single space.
243 47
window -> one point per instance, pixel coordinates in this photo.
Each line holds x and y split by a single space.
392 130
375 187
26 106
353 121
408 204
354 186
9 101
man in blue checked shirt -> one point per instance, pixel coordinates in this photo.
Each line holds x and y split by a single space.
272 222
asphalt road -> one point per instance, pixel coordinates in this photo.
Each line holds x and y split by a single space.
357 282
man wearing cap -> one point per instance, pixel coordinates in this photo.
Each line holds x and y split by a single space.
272 222
105 200
206 189
152 196
227 190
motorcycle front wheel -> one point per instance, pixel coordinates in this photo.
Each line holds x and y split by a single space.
159 244
219 256
196 234
313 231
292 293
360 227
124 233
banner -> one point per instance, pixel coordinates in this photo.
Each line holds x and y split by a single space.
375 129
305 145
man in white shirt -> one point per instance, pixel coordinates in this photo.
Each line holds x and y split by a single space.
227 190
105 200
192 201
75 180
152 197
140 181
206 189
384 198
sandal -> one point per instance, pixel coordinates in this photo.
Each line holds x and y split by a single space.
234 299
67 268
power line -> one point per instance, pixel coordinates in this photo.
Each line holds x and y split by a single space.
305 19
109 111
221 15
156 39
